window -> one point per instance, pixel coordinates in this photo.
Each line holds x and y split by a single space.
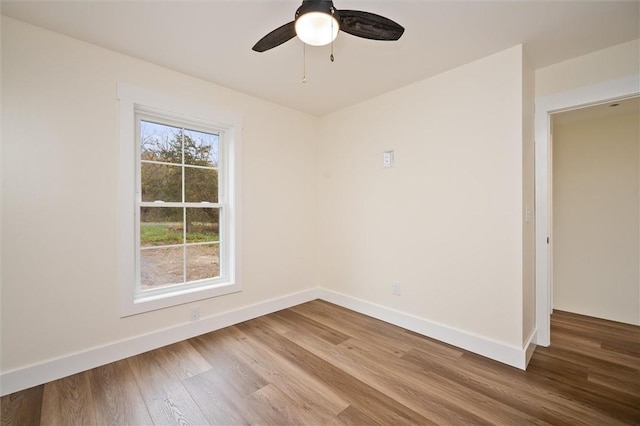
178 192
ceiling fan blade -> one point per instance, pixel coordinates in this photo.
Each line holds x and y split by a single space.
369 25
276 37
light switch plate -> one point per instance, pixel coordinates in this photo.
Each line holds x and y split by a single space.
387 159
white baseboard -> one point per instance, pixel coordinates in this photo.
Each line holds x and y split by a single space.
510 355
23 378
530 346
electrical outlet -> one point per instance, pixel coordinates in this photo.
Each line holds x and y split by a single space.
195 314
395 288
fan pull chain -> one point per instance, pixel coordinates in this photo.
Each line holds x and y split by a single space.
304 62
331 57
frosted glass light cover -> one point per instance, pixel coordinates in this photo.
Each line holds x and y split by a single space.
316 29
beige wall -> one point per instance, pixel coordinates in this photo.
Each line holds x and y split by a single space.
60 248
446 221
596 207
595 68
528 202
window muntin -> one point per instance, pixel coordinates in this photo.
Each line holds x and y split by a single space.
178 206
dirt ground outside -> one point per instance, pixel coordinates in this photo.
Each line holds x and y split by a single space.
165 266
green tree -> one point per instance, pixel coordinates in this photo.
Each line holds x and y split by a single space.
163 182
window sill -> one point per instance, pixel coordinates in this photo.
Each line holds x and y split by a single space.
143 304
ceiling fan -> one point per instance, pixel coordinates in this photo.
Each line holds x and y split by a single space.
317 23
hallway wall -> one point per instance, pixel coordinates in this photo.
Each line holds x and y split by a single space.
596 210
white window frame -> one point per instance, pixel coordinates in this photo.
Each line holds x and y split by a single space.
135 104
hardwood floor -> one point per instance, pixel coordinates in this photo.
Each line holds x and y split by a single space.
318 363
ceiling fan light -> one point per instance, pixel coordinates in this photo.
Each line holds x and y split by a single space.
317 28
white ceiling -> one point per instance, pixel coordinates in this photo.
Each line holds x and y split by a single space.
212 40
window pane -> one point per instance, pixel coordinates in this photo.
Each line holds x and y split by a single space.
159 142
202 225
161 226
200 185
203 261
200 149
161 182
161 266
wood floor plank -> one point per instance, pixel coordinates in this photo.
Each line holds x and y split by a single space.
116 397
451 385
388 336
507 385
423 400
339 316
22 408
329 318
629 385
586 326
270 405
310 393
437 398
352 416
166 398
585 357
629 348
561 369
217 398
216 349
597 350
447 402
295 320
183 360
256 394
68 401
589 407
367 399
612 404
597 324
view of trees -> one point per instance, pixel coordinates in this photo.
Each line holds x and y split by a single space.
163 182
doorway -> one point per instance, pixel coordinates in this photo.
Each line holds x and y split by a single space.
595 220
609 91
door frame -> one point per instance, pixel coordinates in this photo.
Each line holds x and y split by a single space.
544 107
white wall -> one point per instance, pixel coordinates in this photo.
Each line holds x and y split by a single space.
59 246
528 203
595 68
446 221
595 208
